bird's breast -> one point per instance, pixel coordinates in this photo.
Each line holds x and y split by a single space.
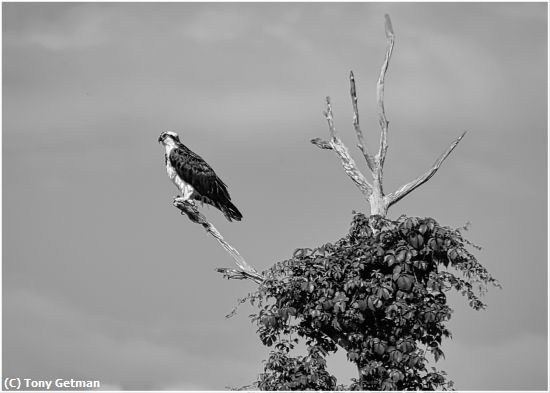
184 187
170 170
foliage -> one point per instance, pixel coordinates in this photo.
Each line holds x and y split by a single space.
301 373
379 293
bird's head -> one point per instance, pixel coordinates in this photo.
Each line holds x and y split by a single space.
169 137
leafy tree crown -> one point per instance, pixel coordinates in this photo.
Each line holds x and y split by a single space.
379 292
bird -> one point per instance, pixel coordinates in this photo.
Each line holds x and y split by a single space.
195 178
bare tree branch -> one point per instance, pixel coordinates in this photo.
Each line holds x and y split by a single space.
245 270
374 191
330 119
407 188
342 151
358 131
234 274
350 168
380 96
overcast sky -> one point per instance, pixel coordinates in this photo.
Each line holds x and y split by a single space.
103 279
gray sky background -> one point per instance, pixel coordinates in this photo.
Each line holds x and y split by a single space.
102 279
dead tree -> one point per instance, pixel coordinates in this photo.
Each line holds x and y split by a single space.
373 190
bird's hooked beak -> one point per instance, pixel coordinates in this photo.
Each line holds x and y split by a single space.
161 137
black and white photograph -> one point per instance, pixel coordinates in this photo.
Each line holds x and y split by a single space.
214 196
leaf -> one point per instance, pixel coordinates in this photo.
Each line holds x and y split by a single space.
438 353
389 260
396 356
298 253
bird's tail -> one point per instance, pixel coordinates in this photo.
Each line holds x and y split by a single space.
230 211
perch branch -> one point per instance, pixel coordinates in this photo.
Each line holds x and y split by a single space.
358 131
245 270
342 151
380 96
407 188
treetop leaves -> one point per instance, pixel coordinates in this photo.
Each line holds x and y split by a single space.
378 292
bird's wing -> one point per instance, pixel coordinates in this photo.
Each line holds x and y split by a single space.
194 170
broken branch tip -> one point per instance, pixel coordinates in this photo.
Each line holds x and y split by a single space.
389 28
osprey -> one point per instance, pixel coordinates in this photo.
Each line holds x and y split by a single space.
194 177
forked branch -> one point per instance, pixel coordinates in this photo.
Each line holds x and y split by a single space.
374 192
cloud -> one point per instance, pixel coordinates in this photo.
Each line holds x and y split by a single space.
57 27
105 347
78 344
285 29
217 24
225 23
481 367
86 33
289 38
